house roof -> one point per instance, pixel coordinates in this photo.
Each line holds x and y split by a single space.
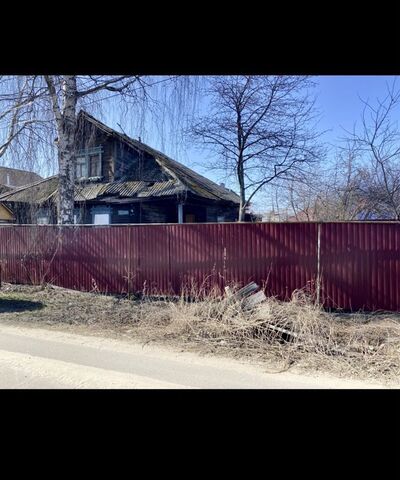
47 189
127 189
37 192
190 179
12 177
4 189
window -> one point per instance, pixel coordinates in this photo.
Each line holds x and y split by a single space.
220 218
81 167
101 219
88 163
95 166
101 215
43 217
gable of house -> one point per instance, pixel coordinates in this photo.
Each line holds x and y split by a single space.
126 159
102 152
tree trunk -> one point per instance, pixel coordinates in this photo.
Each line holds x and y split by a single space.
66 151
66 162
242 193
242 208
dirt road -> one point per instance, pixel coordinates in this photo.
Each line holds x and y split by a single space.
40 358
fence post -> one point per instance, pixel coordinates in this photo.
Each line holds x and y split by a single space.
318 282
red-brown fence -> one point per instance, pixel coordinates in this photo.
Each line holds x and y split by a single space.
358 264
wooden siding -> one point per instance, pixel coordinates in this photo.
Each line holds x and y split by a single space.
132 165
230 213
119 161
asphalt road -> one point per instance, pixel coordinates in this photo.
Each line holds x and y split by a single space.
39 358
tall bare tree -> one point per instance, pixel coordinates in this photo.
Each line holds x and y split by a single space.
259 127
36 109
378 145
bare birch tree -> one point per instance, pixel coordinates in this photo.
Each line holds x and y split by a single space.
259 128
34 110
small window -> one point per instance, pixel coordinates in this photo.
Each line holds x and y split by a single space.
123 212
43 217
81 167
101 219
88 162
95 166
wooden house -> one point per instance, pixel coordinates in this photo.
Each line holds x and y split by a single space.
122 180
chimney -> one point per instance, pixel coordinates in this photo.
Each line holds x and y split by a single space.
222 185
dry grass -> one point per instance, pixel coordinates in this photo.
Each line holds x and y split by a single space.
296 333
283 334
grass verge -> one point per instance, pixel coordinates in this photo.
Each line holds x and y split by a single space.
296 334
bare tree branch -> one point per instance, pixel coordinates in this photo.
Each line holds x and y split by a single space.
259 127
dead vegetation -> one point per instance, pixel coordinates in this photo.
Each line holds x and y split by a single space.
296 334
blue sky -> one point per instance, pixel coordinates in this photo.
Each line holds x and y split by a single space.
338 102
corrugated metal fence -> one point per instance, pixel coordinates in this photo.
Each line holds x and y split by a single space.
358 263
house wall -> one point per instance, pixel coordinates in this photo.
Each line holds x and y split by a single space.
151 211
5 214
119 161
216 212
136 166
157 212
138 212
25 213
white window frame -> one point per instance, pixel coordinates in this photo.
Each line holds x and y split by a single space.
101 217
103 214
